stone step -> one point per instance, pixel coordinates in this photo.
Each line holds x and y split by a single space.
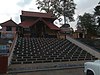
42 67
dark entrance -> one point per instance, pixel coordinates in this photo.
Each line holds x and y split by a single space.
38 30
80 35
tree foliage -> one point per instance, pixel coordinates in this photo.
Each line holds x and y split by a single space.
57 7
87 23
97 14
97 9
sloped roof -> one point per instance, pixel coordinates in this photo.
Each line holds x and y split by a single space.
37 14
9 23
29 23
65 26
51 25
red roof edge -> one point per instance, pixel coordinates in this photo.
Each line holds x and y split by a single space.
9 23
37 14
51 25
29 23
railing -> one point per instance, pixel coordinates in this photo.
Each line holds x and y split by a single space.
8 31
84 47
12 49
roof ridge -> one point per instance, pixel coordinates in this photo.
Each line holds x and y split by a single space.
36 12
8 22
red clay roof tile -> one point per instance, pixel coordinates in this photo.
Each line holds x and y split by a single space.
28 23
37 14
9 23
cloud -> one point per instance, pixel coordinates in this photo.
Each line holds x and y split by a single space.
8 9
16 18
12 8
82 7
22 3
85 6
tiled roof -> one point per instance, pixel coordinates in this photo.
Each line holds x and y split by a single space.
51 25
37 14
65 26
9 23
29 23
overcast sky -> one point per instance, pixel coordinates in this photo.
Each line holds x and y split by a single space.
12 8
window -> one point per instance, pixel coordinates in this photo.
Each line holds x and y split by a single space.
3 49
9 28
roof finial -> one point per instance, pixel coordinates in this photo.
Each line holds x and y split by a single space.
11 18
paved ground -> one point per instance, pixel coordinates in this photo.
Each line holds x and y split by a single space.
76 71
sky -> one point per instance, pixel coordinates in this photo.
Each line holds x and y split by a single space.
11 9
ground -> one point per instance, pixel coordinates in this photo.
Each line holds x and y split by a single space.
75 71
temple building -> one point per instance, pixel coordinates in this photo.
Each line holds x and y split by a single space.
35 24
36 44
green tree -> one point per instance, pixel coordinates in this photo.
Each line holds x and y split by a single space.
97 10
97 14
58 7
87 23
